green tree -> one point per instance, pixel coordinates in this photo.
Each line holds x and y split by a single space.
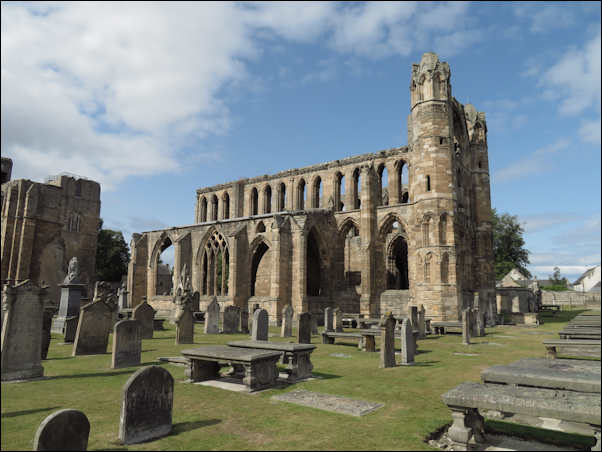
112 255
508 245
558 282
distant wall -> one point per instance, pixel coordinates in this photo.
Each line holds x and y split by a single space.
570 297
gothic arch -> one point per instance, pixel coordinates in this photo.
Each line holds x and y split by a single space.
346 225
160 246
214 263
387 223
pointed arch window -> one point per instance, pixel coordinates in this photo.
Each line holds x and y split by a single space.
215 266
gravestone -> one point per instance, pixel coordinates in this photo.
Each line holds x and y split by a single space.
146 407
314 323
466 326
387 340
231 319
287 321
244 320
72 292
338 319
259 331
414 317
70 328
95 323
304 330
421 322
212 317
127 344
184 326
472 322
145 314
407 338
48 313
480 323
63 430
21 338
328 319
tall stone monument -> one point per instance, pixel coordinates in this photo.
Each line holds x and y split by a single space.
72 291
122 297
387 340
21 332
287 321
259 331
212 317
407 338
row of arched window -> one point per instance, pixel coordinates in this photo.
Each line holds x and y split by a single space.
427 230
425 268
344 197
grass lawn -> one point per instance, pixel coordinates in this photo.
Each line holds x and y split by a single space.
208 418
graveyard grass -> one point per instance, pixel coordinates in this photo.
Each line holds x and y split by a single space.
206 418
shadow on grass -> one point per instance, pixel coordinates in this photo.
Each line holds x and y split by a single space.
183 427
152 350
430 337
24 412
164 338
324 376
425 363
420 352
56 359
98 374
562 316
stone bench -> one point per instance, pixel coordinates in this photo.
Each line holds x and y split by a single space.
561 410
573 347
441 327
585 334
367 341
297 357
257 367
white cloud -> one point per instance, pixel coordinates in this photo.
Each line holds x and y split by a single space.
590 131
113 90
546 18
538 222
534 163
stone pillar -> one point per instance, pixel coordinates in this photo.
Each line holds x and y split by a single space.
387 341
69 306
223 287
299 271
368 305
394 182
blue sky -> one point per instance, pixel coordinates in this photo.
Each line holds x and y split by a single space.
155 101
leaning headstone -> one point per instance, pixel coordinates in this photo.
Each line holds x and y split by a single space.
145 314
244 320
421 322
304 330
287 321
328 319
49 311
407 349
63 430
259 331
93 328
414 317
21 338
127 344
231 319
466 326
212 317
70 328
146 407
338 319
184 327
387 341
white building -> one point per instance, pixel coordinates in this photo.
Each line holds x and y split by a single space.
587 280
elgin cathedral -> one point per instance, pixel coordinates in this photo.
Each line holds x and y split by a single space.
369 234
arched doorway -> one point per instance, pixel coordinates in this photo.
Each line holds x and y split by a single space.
260 271
397 264
316 278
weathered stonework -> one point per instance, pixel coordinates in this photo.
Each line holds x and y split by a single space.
296 237
46 224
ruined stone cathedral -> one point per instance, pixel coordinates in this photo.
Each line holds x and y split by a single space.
333 234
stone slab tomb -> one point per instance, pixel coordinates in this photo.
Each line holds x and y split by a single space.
231 319
127 344
259 330
287 321
21 337
146 406
63 430
145 314
95 323
305 327
212 317
328 402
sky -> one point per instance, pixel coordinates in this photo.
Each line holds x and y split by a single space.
157 100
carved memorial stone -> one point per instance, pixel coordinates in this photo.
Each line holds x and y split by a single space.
184 327
145 314
212 317
231 319
259 331
72 292
338 319
63 430
93 328
387 341
21 339
287 321
127 344
146 407
407 337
